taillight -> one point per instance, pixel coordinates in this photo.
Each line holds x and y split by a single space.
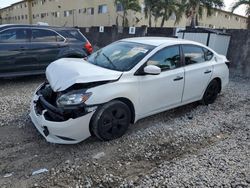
228 63
88 47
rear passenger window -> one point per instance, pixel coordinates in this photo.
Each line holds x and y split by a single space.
14 35
73 35
40 35
166 59
193 54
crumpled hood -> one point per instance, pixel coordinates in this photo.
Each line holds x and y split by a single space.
64 73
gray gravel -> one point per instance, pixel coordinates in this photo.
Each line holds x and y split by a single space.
191 146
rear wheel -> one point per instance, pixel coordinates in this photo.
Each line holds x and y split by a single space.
211 92
111 121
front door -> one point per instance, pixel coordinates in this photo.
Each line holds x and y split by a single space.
159 92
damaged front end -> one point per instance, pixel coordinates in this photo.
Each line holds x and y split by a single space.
58 109
48 101
62 124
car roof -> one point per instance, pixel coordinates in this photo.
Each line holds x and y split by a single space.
157 41
5 26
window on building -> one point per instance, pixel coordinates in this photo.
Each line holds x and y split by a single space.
82 11
43 2
119 7
90 11
227 16
102 9
211 26
57 14
43 15
66 13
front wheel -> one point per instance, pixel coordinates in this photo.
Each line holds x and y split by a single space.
211 92
111 121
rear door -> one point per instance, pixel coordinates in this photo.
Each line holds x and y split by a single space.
13 51
45 46
198 71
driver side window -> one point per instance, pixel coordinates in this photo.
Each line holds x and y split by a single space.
166 59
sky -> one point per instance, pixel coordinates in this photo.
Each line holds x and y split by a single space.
228 5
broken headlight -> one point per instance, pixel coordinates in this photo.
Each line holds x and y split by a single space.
72 99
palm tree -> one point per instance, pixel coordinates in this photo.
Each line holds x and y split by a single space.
128 5
194 8
167 8
243 2
163 9
150 10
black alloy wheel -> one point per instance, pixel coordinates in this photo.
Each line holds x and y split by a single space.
211 93
111 121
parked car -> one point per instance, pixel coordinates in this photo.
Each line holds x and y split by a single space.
29 49
122 83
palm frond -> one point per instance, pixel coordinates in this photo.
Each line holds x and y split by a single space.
239 3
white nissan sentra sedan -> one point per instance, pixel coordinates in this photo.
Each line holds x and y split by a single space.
122 83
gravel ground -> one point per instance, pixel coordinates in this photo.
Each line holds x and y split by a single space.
191 146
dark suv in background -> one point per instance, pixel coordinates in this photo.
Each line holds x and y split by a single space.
29 49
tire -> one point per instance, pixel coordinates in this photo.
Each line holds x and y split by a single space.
211 92
111 121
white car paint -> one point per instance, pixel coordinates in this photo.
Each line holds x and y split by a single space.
149 94
70 128
63 73
195 87
160 87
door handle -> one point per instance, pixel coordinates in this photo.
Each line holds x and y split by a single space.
178 78
207 71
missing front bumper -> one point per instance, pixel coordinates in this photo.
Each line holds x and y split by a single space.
71 131
46 102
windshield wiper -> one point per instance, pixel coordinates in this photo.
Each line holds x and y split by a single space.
109 60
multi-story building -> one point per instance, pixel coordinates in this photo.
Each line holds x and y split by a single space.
87 13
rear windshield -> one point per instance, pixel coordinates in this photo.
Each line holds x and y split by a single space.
73 35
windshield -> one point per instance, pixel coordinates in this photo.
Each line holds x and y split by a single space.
120 56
